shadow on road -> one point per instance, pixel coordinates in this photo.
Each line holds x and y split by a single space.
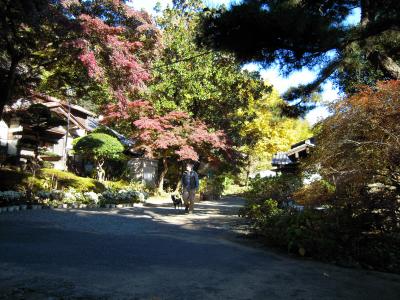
156 252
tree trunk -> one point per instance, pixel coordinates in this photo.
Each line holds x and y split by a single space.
100 170
178 186
388 66
2 104
36 151
162 175
365 13
9 86
248 167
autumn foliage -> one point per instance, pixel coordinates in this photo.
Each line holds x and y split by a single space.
358 151
115 44
360 142
173 134
351 214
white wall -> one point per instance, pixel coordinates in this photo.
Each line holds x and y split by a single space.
144 170
3 133
7 137
59 147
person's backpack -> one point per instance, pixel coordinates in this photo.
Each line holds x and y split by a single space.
192 180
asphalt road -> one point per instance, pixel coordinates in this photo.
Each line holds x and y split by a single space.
155 252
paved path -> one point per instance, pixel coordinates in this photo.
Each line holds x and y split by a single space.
154 252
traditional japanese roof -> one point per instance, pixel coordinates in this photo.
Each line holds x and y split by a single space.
280 159
62 108
77 115
300 147
55 102
94 123
291 156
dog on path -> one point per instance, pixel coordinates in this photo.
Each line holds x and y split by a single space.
177 200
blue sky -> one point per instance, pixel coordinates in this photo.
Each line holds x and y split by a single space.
271 74
148 5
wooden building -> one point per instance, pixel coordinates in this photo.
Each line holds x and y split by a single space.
15 134
56 143
287 162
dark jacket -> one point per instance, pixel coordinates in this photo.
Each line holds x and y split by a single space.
190 180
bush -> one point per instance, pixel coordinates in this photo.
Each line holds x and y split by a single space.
214 187
92 198
133 186
364 233
310 233
278 188
63 180
331 235
10 197
261 213
317 193
34 184
117 185
70 196
99 147
43 195
305 232
121 197
51 195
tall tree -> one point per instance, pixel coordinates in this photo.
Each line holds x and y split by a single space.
297 34
359 143
27 28
209 85
115 44
101 48
358 152
270 132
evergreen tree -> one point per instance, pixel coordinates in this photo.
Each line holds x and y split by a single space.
308 33
209 85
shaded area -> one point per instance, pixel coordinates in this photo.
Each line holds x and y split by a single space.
156 252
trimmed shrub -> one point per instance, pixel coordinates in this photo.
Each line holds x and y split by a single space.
34 184
117 185
63 180
99 147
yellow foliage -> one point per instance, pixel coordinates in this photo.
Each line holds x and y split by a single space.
270 132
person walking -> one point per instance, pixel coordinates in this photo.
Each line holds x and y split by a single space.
190 184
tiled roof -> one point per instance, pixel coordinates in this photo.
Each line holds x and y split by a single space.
52 101
94 123
281 159
292 155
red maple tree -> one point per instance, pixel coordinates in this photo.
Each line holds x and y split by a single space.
115 44
173 135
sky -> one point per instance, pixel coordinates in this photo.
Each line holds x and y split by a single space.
148 5
329 93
